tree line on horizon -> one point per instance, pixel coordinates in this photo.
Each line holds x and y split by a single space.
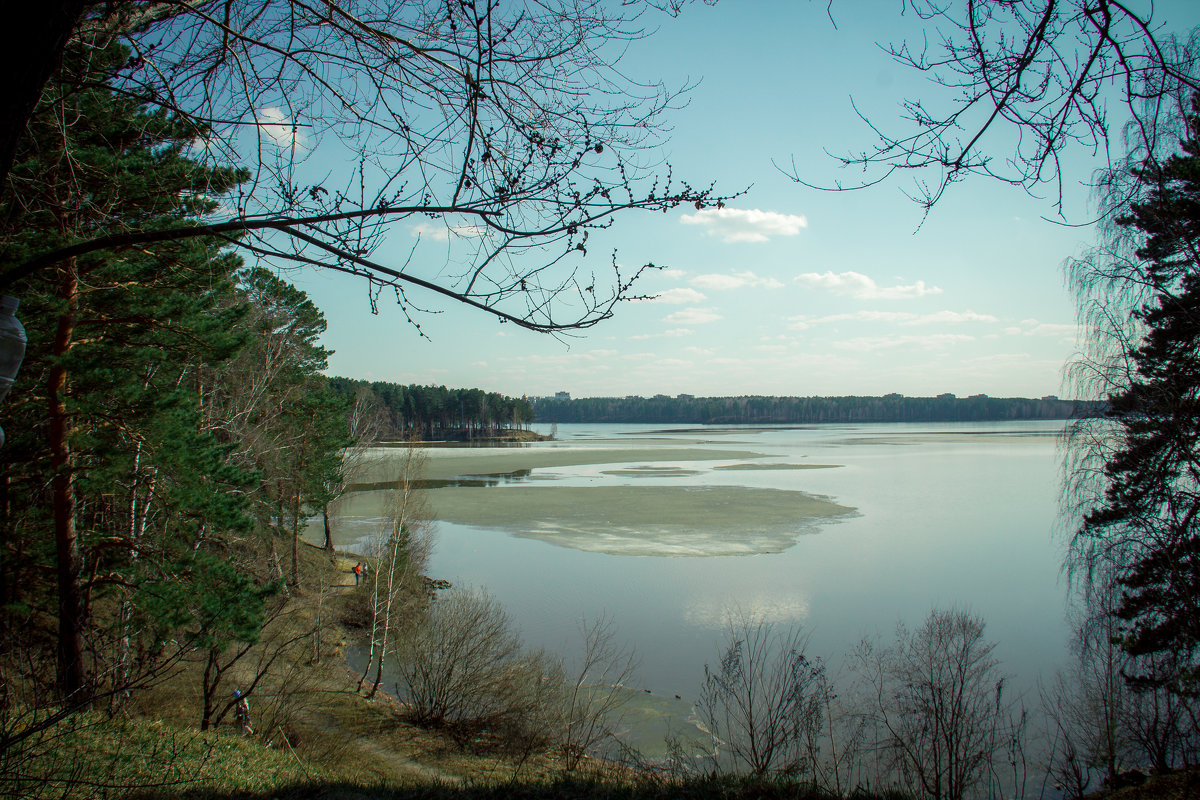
754 409
435 413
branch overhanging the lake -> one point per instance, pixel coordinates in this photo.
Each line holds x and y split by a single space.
238 225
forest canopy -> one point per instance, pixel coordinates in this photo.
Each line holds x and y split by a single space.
805 410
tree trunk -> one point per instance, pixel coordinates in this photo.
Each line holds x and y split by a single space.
295 581
212 679
70 563
328 529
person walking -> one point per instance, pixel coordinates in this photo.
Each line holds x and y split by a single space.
241 711
358 570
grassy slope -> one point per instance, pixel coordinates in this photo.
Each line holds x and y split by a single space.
313 727
317 736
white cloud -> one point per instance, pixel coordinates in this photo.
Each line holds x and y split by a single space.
590 360
1032 327
668 334
719 282
692 316
855 284
665 363
442 233
953 318
895 317
928 342
672 273
677 296
745 224
279 128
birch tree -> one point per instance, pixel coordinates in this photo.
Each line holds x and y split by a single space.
400 547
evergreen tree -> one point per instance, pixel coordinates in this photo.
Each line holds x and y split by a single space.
108 453
1150 512
276 410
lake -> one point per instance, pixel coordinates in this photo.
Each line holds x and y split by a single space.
845 530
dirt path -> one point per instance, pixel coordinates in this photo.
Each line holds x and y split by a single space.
345 572
366 734
370 743
405 766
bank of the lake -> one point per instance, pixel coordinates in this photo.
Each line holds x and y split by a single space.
908 517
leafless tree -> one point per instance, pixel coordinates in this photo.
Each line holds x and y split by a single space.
596 691
400 549
762 703
464 670
1013 85
505 133
1103 723
1084 708
838 749
937 695
366 423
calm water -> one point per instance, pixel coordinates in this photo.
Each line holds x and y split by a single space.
944 515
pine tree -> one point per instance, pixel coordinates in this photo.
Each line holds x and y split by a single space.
108 452
272 405
1150 511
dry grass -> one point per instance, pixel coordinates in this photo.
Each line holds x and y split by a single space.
1183 785
312 726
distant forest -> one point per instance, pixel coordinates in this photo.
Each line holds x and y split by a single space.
435 413
806 410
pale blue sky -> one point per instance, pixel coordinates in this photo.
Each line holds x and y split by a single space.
791 291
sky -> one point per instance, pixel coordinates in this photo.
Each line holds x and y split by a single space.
787 290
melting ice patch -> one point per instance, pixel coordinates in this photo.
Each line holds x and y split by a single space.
645 520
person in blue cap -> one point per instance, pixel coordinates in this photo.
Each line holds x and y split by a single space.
241 710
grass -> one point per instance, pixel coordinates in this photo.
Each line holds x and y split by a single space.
1180 785
313 727
92 755
317 736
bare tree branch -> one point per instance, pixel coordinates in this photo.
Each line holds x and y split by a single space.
514 114
1028 80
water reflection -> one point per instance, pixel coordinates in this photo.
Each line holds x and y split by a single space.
960 516
705 611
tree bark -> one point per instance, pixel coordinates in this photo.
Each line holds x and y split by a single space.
70 563
210 682
328 529
296 537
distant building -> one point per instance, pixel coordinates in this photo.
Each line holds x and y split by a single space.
947 396
1051 397
978 397
661 397
633 397
685 397
562 395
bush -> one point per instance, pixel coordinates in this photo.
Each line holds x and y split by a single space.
939 705
464 669
763 704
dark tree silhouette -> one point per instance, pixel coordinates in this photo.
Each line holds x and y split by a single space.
1148 519
1028 79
